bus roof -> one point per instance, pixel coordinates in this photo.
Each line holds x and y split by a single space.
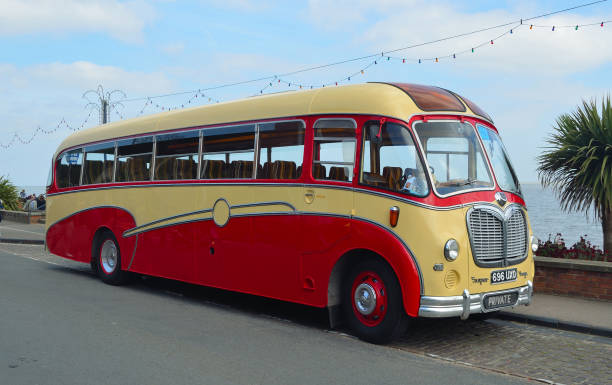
397 100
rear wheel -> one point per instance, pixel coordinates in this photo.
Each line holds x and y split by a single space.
373 302
107 260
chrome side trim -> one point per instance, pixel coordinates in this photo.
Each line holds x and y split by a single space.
466 304
270 203
133 253
142 228
91 208
125 233
421 282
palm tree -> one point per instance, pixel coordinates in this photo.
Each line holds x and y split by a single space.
577 164
8 194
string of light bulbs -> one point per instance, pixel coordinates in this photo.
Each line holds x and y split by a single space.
275 80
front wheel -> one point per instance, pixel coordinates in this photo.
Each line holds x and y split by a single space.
373 302
107 260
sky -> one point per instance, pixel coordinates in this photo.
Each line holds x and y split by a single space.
54 51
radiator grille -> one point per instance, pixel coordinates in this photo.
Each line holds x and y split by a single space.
495 241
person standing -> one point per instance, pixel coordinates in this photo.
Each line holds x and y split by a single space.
1 208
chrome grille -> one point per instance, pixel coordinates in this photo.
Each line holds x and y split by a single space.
517 235
497 241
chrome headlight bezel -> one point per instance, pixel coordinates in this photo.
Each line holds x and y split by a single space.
451 250
534 244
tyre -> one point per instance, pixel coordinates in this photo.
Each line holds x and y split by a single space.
106 261
372 302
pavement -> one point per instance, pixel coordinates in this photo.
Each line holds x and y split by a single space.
560 312
14 232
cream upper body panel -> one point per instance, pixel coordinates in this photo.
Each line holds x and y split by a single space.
369 98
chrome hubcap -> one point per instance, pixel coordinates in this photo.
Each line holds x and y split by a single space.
108 256
365 299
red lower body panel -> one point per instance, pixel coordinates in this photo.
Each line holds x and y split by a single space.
287 257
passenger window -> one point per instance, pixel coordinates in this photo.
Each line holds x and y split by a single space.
68 171
334 149
134 158
176 156
228 152
390 160
281 150
99 163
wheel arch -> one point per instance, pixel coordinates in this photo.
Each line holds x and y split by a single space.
371 240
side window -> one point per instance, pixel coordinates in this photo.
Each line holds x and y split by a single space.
281 150
99 163
68 171
176 156
334 149
134 158
228 152
390 160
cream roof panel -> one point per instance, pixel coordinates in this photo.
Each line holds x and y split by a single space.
368 98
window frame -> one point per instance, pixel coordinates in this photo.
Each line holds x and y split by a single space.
197 154
336 139
258 146
459 119
418 152
101 145
152 153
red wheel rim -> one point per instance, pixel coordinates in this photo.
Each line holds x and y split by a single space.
369 298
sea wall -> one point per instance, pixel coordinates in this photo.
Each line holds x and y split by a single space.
588 279
23 216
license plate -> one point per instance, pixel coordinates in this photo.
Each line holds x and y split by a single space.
494 301
501 276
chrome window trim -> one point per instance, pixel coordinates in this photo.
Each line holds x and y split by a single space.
519 193
418 152
153 156
336 118
82 168
334 139
433 187
140 154
256 153
115 163
176 155
200 142
332 162
503 216
337 139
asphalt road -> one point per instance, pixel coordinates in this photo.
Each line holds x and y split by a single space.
60 325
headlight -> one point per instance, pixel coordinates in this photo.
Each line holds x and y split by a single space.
451 250
535 242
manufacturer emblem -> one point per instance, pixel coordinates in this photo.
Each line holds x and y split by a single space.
501 199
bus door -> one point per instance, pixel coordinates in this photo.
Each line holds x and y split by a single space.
328 201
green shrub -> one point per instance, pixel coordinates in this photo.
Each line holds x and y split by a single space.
8 194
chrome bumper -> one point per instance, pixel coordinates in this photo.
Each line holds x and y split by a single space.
466 304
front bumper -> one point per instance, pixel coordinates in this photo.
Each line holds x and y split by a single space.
466 304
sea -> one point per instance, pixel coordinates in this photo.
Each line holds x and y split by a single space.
545 214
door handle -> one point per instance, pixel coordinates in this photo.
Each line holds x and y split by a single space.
309 196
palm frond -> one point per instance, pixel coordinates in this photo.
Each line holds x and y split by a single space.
577 163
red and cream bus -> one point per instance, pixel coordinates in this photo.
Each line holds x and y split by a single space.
378 201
